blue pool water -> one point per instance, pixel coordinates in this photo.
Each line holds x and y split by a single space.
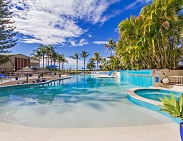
81 101
142 78
156 94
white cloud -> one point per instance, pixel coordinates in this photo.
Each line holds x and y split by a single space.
100 42
54 21
82 42
89 35
134 4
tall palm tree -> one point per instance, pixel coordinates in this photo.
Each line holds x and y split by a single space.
97 58
84 55
36 54
42 49
49 50
61 59
76 56
54 56
110 45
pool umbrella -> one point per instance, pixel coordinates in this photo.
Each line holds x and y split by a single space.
42 70
51 66
26 71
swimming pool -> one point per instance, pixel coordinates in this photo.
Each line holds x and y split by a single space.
155 94
79 102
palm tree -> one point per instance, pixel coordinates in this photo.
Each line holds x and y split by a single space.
150 40
61 59
36 54
105 64
110 45
54 56
97 58
49 50
76 56
91 64
42 49
84 55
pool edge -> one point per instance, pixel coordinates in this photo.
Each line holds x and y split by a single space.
146 103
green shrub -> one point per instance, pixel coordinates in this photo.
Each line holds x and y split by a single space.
172 106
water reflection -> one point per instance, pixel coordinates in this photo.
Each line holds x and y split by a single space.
73 90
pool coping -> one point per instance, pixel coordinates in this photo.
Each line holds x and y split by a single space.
147 103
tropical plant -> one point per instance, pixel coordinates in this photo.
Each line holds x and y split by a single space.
4 59
49 51
153 39
114 63
76 57
172 106
91 65
97 58
36 54
110 45
84 55
7 33
43 51
105 64
54 57
61 59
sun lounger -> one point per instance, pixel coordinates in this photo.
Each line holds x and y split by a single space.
38 80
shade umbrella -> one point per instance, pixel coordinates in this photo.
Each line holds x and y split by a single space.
42 71
25 70
51 66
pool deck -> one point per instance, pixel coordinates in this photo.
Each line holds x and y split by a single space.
10 82
160 132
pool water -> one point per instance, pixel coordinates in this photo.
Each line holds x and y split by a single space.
156 94
79 102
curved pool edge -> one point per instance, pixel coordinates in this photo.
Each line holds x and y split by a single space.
31 84
147 103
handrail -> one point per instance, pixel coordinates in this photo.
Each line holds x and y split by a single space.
175 79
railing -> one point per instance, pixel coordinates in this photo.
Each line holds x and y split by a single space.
175 79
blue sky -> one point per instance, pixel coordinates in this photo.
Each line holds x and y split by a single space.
70 25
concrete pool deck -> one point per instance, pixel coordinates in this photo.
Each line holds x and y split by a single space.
160 132
12 81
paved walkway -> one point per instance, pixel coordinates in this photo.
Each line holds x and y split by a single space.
12 81
161 132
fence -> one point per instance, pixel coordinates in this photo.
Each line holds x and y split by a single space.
175 79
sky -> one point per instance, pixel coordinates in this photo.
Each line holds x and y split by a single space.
70 25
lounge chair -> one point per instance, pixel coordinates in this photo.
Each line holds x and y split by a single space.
44 80
38 80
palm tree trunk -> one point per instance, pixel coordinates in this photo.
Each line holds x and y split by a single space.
97 65
48 61
62 67
76 65
84 65
59 64
43 61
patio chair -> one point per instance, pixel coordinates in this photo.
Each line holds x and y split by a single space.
44 80
38 80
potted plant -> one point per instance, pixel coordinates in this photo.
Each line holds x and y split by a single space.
174 107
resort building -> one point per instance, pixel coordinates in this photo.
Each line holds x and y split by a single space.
18 61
